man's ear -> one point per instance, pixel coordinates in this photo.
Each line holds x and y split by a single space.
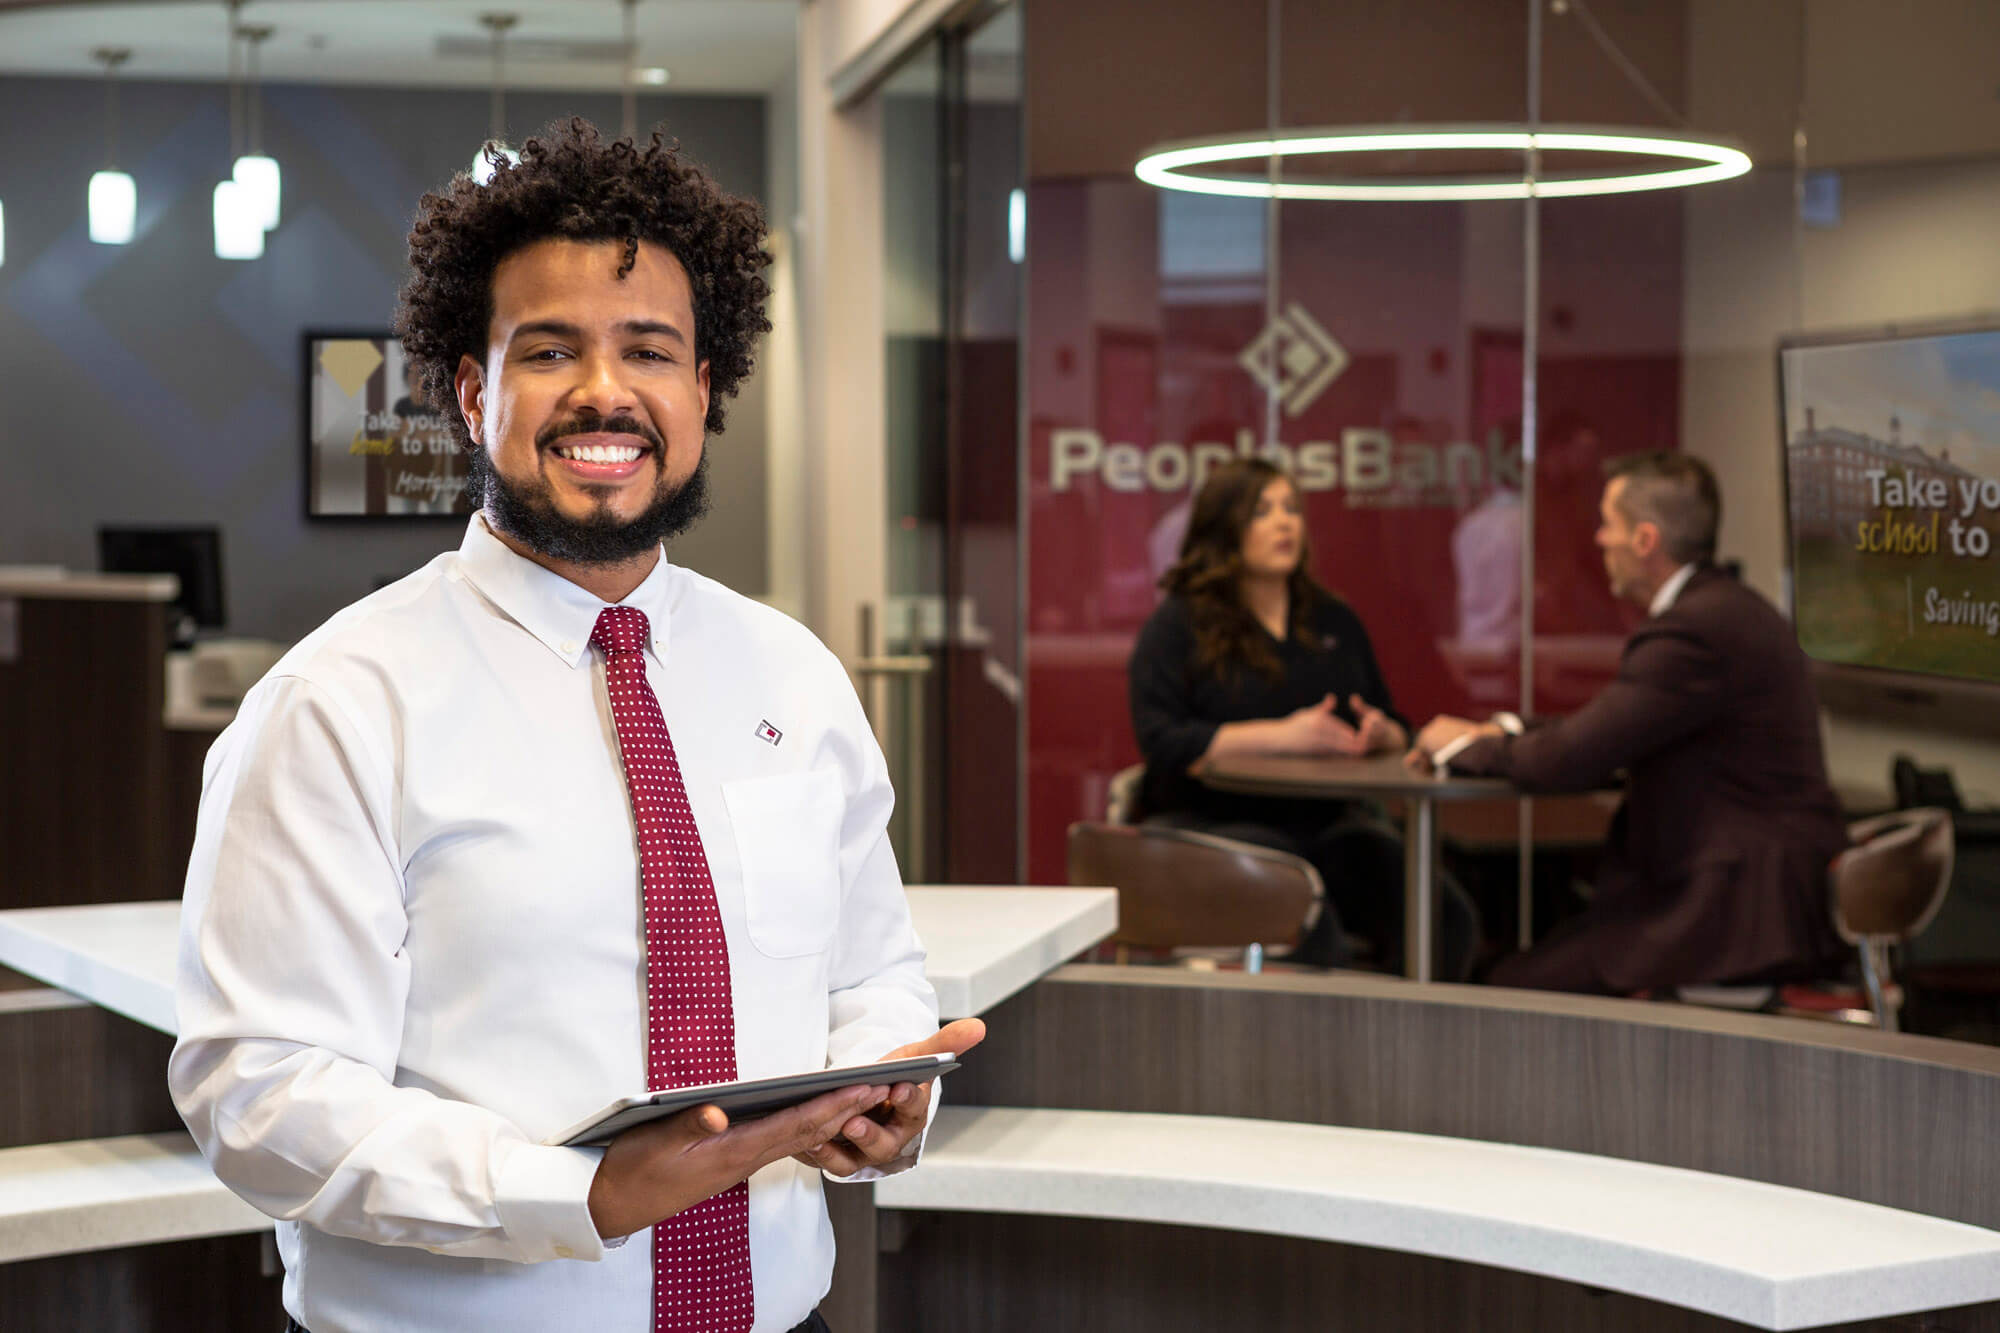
701 378
1645 539
469 382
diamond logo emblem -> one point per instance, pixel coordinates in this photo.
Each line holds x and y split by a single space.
350 361
1294 358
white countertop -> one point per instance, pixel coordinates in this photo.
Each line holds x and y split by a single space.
988 942
49 581
94 1194
1763 1254
985 944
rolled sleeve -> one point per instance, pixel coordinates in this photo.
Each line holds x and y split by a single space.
543 1198
290 997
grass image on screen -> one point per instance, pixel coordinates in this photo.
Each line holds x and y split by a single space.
1892 471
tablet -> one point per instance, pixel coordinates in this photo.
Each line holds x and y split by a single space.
748 1100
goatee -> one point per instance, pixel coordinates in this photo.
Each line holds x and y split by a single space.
527 514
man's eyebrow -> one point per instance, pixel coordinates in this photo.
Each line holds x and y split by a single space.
553 327
658 327
559 328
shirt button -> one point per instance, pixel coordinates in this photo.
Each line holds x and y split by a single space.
565 1252
569 645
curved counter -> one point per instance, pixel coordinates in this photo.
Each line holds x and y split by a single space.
1860 1121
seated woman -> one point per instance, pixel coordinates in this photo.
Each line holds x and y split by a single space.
1248 654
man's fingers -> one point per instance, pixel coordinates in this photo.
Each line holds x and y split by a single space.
951 1039
834 1158
793 1131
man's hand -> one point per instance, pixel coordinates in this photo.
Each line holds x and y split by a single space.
1378 731
659 1169
881 1135
1441 731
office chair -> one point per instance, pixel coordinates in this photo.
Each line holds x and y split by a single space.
1885 889
1178 889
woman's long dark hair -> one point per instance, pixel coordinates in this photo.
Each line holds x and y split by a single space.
1209 573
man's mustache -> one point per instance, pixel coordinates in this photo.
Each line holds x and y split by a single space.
558 430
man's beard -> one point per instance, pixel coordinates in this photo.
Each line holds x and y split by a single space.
527 514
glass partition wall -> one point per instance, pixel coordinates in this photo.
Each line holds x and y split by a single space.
942 658
1445 376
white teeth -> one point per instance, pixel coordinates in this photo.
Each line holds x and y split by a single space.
600 453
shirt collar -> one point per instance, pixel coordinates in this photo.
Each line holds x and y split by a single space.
1663 600
559 613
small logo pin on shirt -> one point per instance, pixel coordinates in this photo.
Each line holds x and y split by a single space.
768 733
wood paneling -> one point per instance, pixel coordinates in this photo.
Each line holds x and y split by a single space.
190 1286
81 1074
82 815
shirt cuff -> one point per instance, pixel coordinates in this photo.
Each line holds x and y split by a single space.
1448 752
1510 723
543 1198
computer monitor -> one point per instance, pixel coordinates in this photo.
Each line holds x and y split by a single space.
194 554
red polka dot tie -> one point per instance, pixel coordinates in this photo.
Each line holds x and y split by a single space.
701 1257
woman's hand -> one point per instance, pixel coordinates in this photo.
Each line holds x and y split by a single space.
1378 731
1317 730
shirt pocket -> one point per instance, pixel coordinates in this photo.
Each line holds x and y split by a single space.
788 841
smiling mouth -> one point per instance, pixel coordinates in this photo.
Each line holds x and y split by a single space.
600 453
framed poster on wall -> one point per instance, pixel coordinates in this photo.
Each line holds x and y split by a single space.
374 449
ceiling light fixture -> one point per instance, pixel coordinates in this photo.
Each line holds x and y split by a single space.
238 214
483 163
114 200
654 74
1168 165
628 89
254 171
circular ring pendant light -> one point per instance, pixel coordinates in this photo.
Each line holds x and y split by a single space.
1176 166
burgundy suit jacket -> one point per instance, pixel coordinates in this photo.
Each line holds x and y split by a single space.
1716 864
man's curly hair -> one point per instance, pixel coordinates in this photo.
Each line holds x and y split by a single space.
572 185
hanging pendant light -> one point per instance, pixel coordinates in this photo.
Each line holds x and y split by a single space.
1671 158
239 219
114 200
628 83
485 162
239 222
255 171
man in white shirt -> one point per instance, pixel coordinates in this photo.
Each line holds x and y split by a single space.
1715 865
412 940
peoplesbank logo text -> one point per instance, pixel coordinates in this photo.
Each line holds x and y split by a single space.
1368 466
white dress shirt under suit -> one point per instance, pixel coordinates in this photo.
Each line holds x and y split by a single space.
411 946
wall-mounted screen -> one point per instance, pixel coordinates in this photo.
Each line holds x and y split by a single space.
1892 469
373 447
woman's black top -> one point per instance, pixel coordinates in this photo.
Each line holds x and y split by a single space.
1176 708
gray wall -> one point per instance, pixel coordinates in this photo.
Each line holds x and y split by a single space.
155 383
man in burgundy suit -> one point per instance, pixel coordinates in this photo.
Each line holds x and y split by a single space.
1715 867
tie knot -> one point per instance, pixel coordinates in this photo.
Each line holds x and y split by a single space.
620 629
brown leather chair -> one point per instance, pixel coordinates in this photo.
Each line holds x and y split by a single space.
1883 890
1886 888
1181 889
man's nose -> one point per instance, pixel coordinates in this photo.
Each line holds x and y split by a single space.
603 387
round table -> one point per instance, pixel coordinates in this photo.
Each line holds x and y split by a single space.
1377 776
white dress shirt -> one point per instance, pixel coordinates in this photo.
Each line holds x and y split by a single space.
1670 591
411 945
